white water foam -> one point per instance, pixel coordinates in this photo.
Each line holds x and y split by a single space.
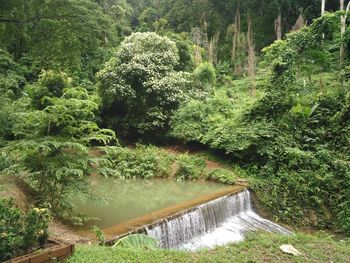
224 220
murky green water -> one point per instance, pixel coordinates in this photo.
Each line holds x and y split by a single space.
121 201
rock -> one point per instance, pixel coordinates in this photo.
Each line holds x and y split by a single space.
289 249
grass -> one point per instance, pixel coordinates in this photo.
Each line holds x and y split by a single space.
256 248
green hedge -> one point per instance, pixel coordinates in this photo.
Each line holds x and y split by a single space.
20 232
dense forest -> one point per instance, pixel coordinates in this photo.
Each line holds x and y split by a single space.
104 86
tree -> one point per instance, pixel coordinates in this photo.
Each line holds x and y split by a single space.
278 26
52 146
120 12
139 86
147 18
57 34
251 60
323 7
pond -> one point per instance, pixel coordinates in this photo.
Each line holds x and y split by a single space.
123 200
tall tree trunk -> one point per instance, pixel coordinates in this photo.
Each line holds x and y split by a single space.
213 49
251 55
197 40
236 41
323 7
278 26
236 33
300 23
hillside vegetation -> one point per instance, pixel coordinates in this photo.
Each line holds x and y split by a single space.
101 86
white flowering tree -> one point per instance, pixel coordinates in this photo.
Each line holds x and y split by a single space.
140 88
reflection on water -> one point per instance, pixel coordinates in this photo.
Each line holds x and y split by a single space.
121 201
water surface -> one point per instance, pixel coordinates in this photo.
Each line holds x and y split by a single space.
121 201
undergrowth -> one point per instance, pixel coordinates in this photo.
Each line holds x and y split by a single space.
153 162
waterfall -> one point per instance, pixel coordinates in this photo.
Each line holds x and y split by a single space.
218 222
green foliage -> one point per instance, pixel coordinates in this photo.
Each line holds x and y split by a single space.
137 241
20 232
54 167
144 162
221 175
100 235
149 162
309 49
185 50
223 72
120 12
62 35
217 17
52 146
205 74
147 18
6 109
140 88
292 135
218 122
189 167
11 76
307 174
51 84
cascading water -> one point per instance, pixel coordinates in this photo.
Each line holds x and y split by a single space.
218 222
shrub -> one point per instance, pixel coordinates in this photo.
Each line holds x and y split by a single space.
144 161
220 175
6 109
205 73
20 232
11 75
51 84
149 162
189 167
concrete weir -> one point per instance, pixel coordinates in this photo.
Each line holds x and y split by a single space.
139 225
206 222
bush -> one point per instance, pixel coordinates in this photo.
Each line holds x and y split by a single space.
205 73
218 121
51 84
150 162
144 161
220 175
11 76
189 167
6 109
21 232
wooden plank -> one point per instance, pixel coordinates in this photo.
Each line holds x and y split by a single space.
60 250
